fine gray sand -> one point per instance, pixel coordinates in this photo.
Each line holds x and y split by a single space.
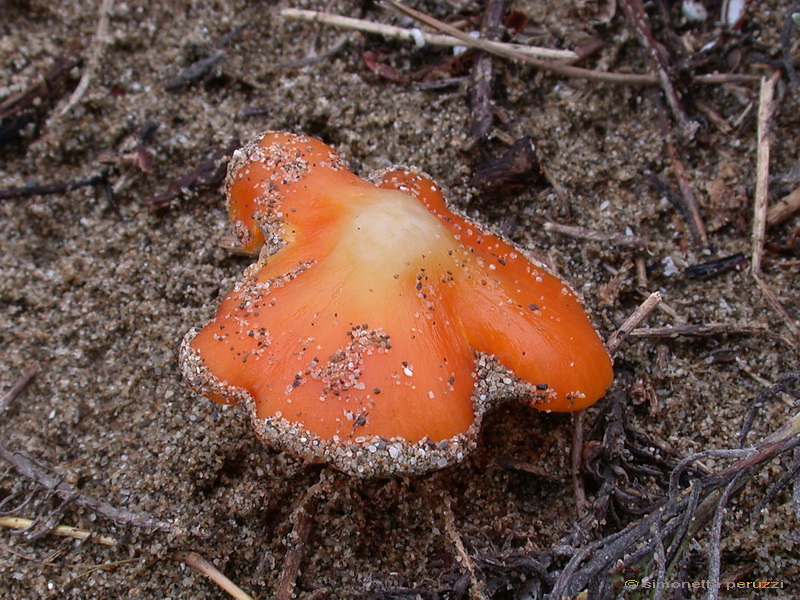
97 290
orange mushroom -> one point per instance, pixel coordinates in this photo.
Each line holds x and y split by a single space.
377 326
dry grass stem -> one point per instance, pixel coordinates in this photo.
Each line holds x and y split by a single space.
22 523
418 36
197 562
640 314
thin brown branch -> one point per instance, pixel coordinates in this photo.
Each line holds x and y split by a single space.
760 199
32 104
28 469
300 63
716 119
514 464
676 519
716 266
518 52
202 68
721 78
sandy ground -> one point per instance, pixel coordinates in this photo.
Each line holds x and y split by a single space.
98 293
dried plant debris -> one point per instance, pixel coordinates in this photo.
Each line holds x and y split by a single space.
510 173
26 109
208 175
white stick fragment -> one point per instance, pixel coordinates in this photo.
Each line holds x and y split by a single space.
416 35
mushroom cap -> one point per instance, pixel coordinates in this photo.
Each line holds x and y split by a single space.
377 325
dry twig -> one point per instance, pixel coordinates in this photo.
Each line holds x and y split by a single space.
765 110
782 211
18 387
303 519
477 590
715 267
578 420
500 50
673 521
51 188
197 562
207 175
707 330
483 71
23 524
634 11
202 68
686 201
417 36
584 233
30 105
95 52
639 315
33 472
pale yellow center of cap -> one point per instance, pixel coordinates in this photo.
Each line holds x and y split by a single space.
392 233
